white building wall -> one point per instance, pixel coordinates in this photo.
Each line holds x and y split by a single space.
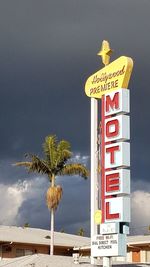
143 255
129 256
123 259
148 256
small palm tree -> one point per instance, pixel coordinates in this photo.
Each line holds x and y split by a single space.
26 225
81 232
55 163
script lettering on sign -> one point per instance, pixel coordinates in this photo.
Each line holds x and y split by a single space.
112 77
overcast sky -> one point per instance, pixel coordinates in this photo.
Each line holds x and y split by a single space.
47 51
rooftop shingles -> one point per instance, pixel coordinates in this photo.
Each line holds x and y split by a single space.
38 236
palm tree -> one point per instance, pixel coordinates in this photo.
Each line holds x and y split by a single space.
55 163
26 225
81 232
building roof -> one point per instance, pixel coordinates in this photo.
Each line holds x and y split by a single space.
40 236
138 240
40 260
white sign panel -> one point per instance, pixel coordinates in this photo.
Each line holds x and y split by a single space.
109 228
117 182
117 128
117 209
117 102
108 245
117 155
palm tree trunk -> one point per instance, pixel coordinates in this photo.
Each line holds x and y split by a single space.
52 222
52 233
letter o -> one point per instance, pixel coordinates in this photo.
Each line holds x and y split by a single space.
112 128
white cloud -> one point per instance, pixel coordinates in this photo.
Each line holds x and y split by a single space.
12 197
78 158
140 218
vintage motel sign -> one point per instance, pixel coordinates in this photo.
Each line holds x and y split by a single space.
110 85
112 77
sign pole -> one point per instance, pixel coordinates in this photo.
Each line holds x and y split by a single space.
94 166
107 262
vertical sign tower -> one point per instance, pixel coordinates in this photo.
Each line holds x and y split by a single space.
110 85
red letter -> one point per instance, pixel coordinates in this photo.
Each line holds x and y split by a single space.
110 132
110 216
112 150
112 182
112 103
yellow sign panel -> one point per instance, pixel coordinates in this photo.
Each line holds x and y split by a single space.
98 217
112 77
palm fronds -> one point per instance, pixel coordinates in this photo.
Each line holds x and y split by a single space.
50 147
39 165
35 165
75 169
55 161
63 151
26 164
56 153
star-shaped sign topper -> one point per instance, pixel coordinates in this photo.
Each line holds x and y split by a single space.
105 52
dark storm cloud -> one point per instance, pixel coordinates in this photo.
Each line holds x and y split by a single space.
10 174
76 204
47 51
46 58
73 211
33 209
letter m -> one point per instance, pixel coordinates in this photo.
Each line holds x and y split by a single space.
112 103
